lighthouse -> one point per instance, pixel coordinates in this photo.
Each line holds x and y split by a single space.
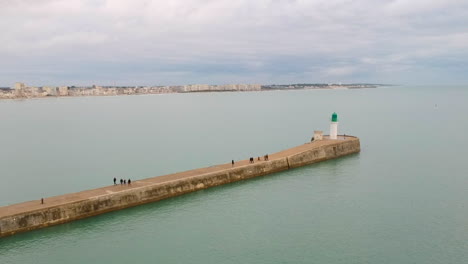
334 126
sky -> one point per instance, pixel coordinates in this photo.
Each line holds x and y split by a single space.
176 42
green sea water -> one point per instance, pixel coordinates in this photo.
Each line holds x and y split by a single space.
403 199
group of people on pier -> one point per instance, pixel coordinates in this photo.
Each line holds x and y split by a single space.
129 182
122 181
252 159
265 158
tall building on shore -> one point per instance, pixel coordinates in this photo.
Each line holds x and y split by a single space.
334 126
19 89
19 86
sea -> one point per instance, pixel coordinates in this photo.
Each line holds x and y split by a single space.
402 199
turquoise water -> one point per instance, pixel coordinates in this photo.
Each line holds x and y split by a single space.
403 199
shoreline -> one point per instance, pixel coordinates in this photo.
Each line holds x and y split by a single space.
189 92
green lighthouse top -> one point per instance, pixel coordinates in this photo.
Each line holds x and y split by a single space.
334 117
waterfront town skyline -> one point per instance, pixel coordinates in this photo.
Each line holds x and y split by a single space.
21 90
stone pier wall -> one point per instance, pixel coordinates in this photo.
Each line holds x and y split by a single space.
29 220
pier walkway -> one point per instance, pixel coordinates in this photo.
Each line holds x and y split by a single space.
74 197
60 209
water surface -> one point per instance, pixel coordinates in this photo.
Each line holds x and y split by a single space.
403 199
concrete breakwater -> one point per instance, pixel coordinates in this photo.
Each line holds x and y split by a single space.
69 207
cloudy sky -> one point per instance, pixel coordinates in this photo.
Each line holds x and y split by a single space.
163 42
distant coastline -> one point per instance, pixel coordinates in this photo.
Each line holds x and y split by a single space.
23 91
305 86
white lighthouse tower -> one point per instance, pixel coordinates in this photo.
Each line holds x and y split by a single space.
334 126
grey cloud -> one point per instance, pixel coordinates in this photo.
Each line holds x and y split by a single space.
265 40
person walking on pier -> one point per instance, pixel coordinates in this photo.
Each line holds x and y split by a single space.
42 200
129 181
232 163
121 181
115 181
125 181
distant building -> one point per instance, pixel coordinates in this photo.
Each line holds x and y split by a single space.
19 89
19 86
318 135
50 91
30 91
63 91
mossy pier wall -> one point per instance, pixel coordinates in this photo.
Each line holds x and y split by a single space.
69 207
